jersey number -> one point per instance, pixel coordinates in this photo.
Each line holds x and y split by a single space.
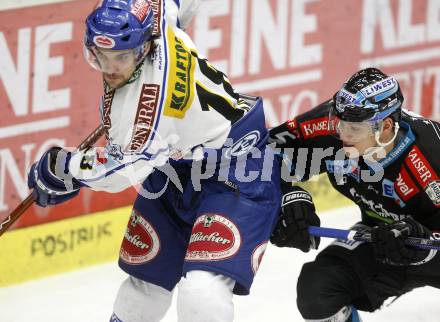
209 99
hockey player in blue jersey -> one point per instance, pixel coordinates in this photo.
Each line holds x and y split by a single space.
175 125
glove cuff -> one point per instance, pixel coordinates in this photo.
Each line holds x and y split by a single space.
50 174
297 195
428 257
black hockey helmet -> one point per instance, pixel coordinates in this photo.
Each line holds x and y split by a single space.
368 95
364 101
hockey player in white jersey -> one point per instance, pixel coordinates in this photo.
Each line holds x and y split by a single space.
169 115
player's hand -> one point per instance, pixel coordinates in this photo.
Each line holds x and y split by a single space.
389 247
50 179
297 214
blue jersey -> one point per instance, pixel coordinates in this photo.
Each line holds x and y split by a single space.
219 223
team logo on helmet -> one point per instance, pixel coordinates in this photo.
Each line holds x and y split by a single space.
140 9
214 237
348 97
257 256
141 242
104 41
379 87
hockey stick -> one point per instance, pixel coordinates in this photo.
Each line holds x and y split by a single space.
344 234
25 204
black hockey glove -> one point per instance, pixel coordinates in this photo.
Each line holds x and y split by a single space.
389 247
297 214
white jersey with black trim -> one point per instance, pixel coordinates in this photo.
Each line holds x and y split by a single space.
175 103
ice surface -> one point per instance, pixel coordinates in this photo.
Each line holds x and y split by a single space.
87 295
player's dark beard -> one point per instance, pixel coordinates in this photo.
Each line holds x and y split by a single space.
134 76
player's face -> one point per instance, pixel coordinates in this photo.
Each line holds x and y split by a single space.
354 149
360 138
357 137
117 66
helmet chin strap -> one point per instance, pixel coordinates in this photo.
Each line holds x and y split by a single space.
377 134
380 148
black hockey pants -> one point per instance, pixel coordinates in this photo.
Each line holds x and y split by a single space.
347 274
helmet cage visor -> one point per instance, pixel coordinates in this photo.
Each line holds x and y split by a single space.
352 131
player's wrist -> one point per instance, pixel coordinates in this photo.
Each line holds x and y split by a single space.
293 194
297 214
50 182
53 170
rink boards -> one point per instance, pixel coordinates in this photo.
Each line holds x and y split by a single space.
64 245
51 248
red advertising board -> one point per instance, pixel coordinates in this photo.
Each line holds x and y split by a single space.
294 53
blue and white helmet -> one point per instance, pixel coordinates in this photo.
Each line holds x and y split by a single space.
119 25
